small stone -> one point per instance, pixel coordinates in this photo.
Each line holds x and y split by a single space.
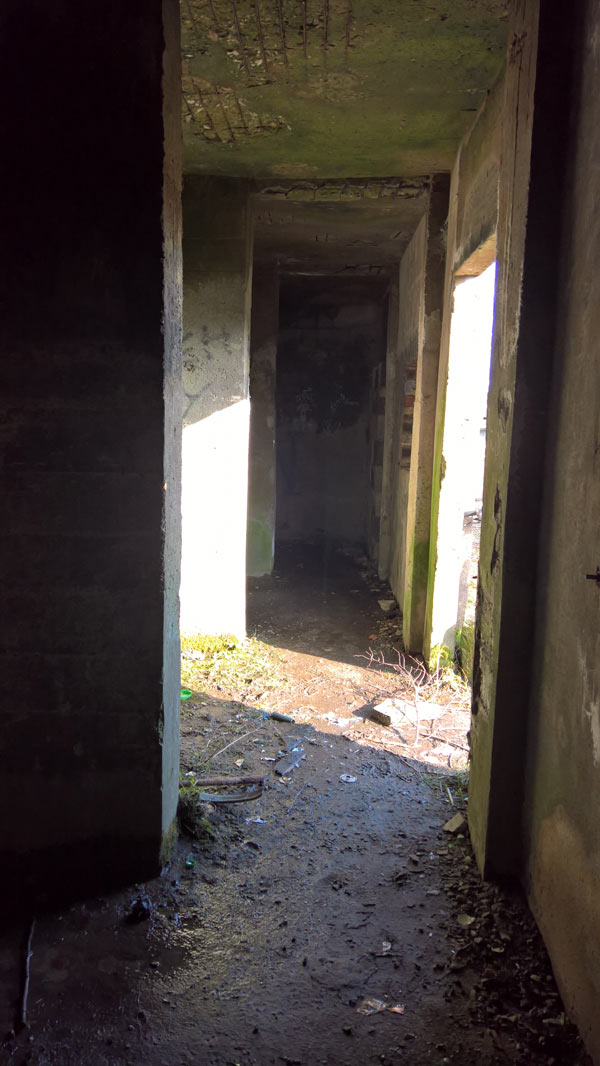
388 607
455 823
380 716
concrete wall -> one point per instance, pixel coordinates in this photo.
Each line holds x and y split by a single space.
472 221
217 261
375 443
532 183
535 734
331 334
260 546
421 293
391 432
90 395
402 382
562 795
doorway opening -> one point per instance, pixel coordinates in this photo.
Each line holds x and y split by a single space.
329 412
461 494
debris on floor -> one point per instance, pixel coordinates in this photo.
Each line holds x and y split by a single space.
455 824
337 920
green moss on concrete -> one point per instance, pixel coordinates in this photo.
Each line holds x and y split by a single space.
327 113
415 596
168 842
441 659
259 548
439 470
465 644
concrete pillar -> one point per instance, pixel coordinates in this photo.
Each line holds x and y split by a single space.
533 178
90 396
262 477
390 432
217 257
417 574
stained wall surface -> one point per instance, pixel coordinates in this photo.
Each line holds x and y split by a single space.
91 415
535 735
402 383
420 303
563 770
472 221
260 544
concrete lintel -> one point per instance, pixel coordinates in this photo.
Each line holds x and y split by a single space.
341 190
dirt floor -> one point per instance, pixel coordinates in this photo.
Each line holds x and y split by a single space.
333 920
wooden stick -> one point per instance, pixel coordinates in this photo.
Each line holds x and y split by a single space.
444 740
238 740
217 782
24 1024
293 804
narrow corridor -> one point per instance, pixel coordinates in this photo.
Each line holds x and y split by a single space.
334 921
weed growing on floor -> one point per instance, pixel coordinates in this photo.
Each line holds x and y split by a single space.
409 677
445 672
228 663
192 812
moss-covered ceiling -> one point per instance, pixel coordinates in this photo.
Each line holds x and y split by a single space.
334 88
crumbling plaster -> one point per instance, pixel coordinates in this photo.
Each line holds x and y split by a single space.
305 91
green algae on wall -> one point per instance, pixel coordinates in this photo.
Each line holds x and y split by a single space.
259 547
317 101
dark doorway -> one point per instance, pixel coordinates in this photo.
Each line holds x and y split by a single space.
329 406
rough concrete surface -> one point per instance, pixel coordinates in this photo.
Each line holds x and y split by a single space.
308 90
563 792
418 516
90 276
472 221
514 190
534 178
402 359
260 546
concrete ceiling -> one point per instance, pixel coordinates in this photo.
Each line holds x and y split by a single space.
334 88
349 228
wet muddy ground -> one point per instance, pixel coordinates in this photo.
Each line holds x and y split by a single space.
331 922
